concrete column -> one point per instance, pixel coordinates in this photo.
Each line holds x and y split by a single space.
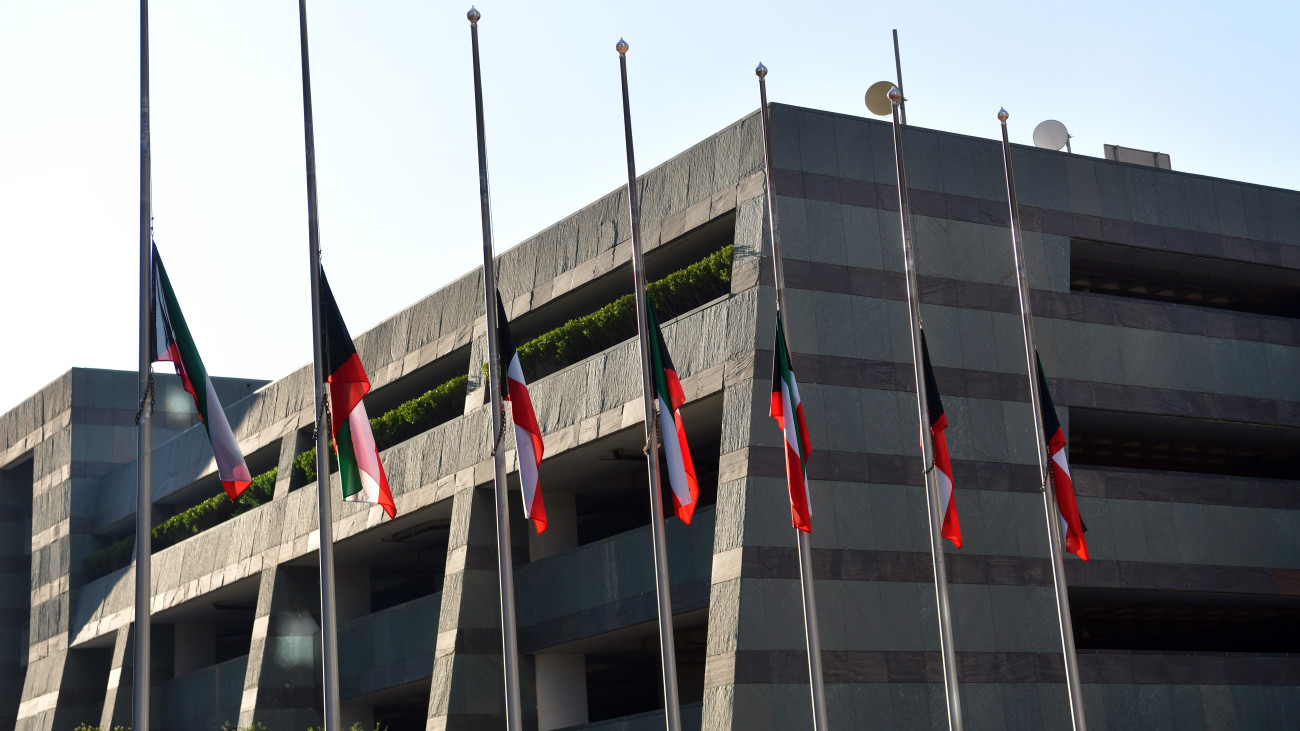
117 698
467 689
291 444
561 689
282 681
15 585
561 527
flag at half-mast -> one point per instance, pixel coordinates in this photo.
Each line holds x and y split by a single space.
1071 522
171 342
788 412
951 528
360 471
528 434
670 397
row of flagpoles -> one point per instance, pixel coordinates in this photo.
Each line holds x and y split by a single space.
340 383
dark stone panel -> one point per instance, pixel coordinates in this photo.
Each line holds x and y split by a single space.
841 564
1053 221
964 383
1075 306
687 596
1095 666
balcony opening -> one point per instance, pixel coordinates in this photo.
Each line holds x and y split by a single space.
1106 619
1144 441
1160 276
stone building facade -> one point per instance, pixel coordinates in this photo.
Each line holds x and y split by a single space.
1168 323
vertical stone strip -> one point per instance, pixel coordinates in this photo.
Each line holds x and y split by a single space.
282 680
121 674
467 690
751 512
15 585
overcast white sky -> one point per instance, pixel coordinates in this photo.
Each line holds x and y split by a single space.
1213 84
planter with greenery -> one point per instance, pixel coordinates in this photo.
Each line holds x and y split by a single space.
579 338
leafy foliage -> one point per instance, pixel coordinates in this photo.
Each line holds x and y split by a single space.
679 292
188 522
420 414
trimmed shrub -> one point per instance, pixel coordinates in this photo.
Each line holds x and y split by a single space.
188 522
420 414
581 337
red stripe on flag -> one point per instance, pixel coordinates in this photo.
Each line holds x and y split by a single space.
1065 500
173 355
521 412
235 488
685 512
799 513
348 384
951 528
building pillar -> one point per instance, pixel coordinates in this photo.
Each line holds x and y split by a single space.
121 669
467 690
561 690
15 585
282 684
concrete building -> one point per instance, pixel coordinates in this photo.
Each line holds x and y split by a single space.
1166 309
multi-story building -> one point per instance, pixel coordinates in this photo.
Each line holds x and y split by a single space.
1166 306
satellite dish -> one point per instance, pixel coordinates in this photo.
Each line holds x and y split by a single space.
878 98
1051 135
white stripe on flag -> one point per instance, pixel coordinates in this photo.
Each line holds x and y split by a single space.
945 492
1060 459
363 447
527 467
789 422
673 453
230 461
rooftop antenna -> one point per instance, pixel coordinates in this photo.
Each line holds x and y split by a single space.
878 99
1052 135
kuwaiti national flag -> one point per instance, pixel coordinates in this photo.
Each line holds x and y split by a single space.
528 435
361 473
670 397
938 423
788 412
172 343
1071 523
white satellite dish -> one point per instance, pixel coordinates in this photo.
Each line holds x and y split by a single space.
878 98
1052 135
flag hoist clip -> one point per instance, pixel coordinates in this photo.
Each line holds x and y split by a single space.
147 398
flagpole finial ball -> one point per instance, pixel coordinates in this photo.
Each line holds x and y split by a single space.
761 71
621 47
473 14
1003 115
895 95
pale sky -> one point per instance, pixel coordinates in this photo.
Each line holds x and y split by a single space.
1212 84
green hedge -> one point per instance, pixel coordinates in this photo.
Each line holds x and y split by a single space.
420 414
579 338
188 522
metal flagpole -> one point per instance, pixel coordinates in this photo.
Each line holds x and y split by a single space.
946 648
1044 468
505 567
811 634
144 442
667 648
898 66
328 618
